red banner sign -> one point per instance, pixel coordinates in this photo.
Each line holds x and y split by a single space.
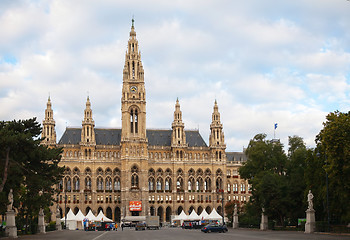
135 206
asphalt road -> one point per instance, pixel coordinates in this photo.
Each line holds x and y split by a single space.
181 234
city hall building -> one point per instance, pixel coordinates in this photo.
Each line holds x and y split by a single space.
135 171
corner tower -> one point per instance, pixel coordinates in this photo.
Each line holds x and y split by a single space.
216 138
49 132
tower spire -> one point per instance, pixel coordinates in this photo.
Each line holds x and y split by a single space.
49 132
88 124
216 138
178 135
133 93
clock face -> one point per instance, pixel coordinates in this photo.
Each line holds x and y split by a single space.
133 89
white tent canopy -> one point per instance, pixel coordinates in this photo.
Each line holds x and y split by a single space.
180 217
203 215
80 216
70 216
214 216
70 220
193 216
91 216
102 218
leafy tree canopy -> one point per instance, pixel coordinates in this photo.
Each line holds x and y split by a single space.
27 167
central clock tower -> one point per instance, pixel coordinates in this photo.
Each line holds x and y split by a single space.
133 94
134 150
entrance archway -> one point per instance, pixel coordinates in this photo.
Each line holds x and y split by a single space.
151 211
76 210
98 210
109 213
168 214
117 214
160 214
87 210
179 210
200 210
208 209
190 210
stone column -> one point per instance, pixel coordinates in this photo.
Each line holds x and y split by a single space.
11 229
41 221
310 221
235 218
264 221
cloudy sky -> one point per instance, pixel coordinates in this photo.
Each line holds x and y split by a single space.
265 61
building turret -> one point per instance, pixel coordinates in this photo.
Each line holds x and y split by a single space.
49 132
216 138
88 124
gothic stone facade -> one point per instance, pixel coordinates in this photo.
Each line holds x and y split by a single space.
165 171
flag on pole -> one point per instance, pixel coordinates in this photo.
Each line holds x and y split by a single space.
275 125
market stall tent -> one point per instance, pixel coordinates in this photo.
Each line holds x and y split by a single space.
214 216
102 218
80 218
70 220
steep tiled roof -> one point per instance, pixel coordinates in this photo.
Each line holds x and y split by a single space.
113 136
236 157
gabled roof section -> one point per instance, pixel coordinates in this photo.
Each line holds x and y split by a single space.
236 157
113 137
102 136
163 138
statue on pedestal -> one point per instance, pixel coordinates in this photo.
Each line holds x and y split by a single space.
10 198
310 196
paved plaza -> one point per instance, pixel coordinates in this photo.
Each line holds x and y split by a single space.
181 234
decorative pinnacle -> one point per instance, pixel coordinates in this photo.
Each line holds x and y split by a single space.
132 21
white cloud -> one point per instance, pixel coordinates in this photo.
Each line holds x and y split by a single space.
264 62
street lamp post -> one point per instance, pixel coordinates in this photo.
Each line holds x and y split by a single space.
65 209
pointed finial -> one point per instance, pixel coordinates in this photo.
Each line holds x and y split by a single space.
49 99
215 101
132 21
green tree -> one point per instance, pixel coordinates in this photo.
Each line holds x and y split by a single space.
27 167
278 180
333 145
265 169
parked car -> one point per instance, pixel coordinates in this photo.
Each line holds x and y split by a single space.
214 228
140 226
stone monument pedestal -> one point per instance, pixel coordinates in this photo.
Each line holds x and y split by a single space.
264 222
11 229
41 222
235 221
310 221
58 224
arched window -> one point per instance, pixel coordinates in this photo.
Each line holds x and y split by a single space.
99 183
167 184
218 183
108 184
116 184
179 184
151 184
76 183
133 121
207 184
68 184
88 183
134 177
159 184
